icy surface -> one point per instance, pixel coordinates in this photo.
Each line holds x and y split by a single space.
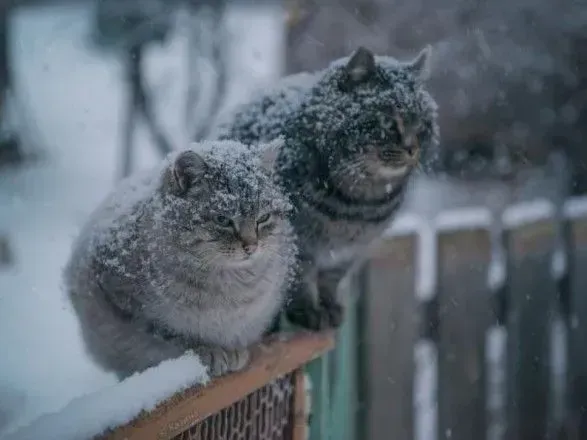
90 415
73 103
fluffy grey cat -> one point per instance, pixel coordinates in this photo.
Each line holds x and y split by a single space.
354 133
193 255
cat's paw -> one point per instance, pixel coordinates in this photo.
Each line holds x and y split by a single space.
221 361
238 359
316 317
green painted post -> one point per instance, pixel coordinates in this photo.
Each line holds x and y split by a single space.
335 387
352 369
361 394
335 406
343 378
320 421
320 406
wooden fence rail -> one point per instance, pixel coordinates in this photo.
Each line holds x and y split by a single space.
265 401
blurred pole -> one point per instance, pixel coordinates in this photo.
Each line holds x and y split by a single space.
10 146
128 28
299 18
133 77
219 55
4 69
208 43
6 254
139 105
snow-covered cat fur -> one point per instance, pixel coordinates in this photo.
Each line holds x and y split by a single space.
354 133
192 255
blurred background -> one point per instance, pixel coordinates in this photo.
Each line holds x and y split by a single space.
91 91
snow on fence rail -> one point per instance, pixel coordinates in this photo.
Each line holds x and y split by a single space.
264 401
505 312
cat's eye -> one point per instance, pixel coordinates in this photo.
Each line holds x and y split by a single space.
263 219
223 221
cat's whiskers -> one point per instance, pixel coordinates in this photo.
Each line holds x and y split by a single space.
396 154
419 168
389 172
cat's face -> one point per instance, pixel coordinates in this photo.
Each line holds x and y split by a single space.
228 210
372 120
381 147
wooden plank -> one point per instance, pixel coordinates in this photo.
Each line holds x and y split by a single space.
531 236
390 334
576 211
279 356
464 315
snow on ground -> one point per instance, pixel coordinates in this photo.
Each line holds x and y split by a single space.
73 99
118 404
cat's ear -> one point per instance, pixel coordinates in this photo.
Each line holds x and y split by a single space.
420 66
360 66
270 152
187 169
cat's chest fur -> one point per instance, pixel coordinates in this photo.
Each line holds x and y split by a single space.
213 318
335 243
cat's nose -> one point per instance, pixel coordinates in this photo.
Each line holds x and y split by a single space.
413 153
250 248
249 243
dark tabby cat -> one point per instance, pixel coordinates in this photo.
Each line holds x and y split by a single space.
354 133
